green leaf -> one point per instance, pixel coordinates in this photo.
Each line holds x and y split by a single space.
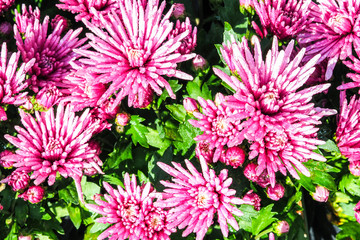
323 179
155 172
265 219
177 111
118 155
175 86
142 177
349 230
21 212
113 180
187 133
96 227
330 146
351 184
195 90
69 194
229 34
75 215
89 188
306 182
154 139
13 232
137 131
245 221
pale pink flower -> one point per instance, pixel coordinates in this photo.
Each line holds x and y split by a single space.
357 212
122 119
89 9
219 124
280 119
131 212
348 129
5 5
234 156
12 81
321 194
179 10
204 150
132 54
275 193
190 105
334 31
354 167
48 96
253 199
199 63
25 237
52 52
33 194
54 144
17 180
283 18
194 198
188 44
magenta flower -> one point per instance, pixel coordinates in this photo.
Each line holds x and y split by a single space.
354 64
52 52
12 81
283 18
131 212
321 194
204 150
190 105
281 227
5 5
58 18
48 96
348 129
252 198
17 180
280 119
50 144
132 53
220 125
357 212
234 156
188 44
193 199
27 18
199 63
354 167
275 193
88 9
179 10
6 163
122 119
334 31
33 194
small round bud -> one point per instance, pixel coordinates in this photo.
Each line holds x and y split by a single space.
190 105
199 63
252 198
179 10
281 227
275 193
34 194
250 172
122 119
17 180
321 194
5 28
55 21
354 167
234 156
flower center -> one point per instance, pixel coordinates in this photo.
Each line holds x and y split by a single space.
46 64
53 150
135 57
276 140
130 212
340 23
269 102
222 126
205 199
156 221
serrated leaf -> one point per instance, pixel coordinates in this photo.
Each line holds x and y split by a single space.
69 194
154 139
330 146
323 179
175 86
245 221
113 180
89 188
96 227
119 154
75 215
351 184
265 219
155 172
177 111
306 182
194 90
187 133
349 230
142 177
138 131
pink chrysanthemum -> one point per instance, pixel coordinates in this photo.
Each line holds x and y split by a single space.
12 82
27 18
51 144
132 53
188 44
334 31
194 198
33 194
17 180
88 9
52 53
348 130
354 64
280 123
219 124
283 18
48 96
5 5
132 212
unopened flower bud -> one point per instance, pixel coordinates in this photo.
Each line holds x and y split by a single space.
1 207
5 162
250 172
281 227
122 119
199 63
219 99
252 198
55 21
48 96
321 194
34 194
357 212
5 28
190 105
17 180
354 167
24 238
3 116
234 156
275 193
179 10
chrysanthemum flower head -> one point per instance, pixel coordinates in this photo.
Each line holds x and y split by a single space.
280 119
348 129
194 198
51 144
132 53
26 18
17 180
283 18
12 81
353 64
88 9
131 212
334 31
52 52
188 44
33 194
5 5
